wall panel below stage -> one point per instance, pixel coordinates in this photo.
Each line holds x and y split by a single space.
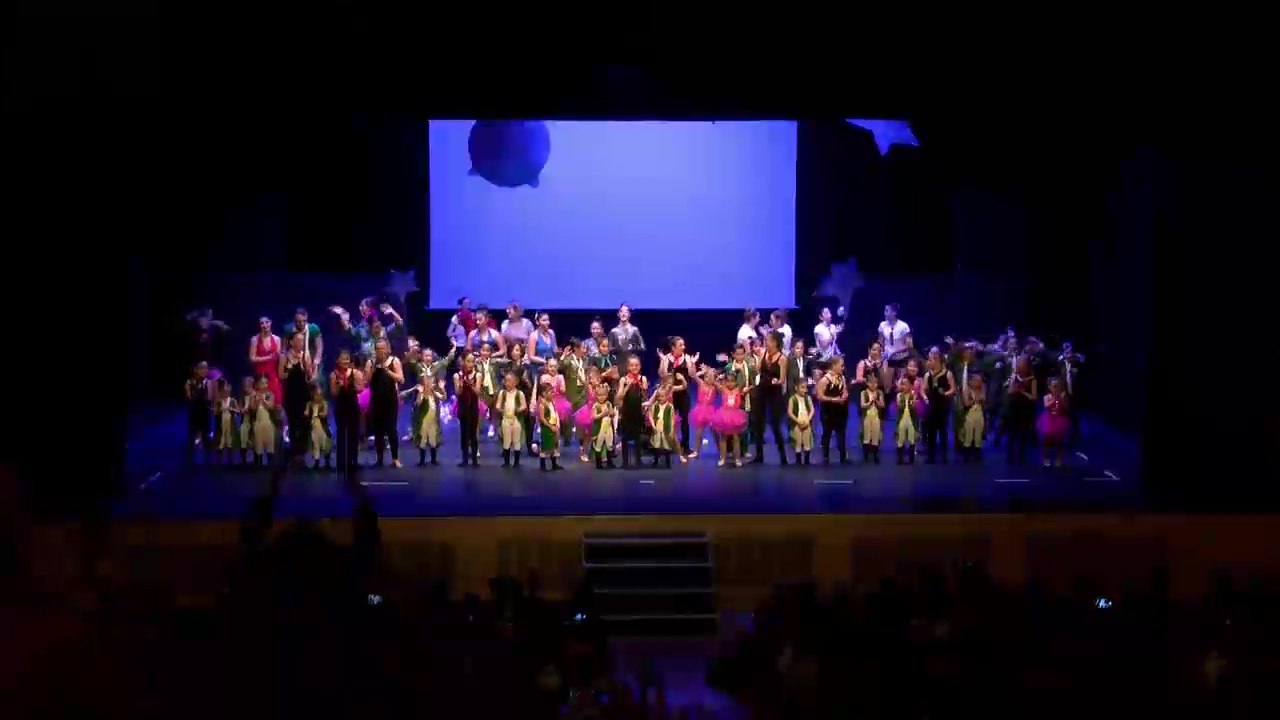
189 560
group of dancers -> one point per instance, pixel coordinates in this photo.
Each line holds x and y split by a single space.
538 397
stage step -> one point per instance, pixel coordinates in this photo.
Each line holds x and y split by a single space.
659 584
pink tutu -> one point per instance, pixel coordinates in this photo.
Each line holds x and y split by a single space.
563 407
583 418
729 420
363 400
1053 427
702 414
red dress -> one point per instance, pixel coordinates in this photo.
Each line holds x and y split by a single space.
269 368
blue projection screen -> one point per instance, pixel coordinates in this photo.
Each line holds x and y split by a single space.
574 215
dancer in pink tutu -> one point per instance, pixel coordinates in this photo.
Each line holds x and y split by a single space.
552 382
702 413
583 418
730 420
1053 424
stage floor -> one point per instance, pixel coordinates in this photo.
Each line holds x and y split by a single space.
1103 475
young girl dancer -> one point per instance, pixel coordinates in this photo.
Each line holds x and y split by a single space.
549 430
573 368
603 420
704 411
541 344
483 334
940 385
426 417
684 366
199 394
1053 424
662 421
1021 398
743 364
904 434
246 419
870 366
295 371
973 422
262 405
523 370
486 367
552 383
871 401
800 417
913 377
467 385
833 393
630 398
226 436
512 406
584 418
729 421
345 384
317 416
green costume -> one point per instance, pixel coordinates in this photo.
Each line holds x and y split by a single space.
575 380
548 429
425 428
662 420
800 406
602 427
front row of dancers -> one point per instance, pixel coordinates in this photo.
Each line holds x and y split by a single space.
608 412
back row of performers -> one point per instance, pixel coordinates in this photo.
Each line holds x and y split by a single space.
537 395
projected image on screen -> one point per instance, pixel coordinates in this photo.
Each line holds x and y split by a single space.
663 215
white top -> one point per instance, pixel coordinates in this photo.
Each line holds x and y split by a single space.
786 337
746 332
892 337
824 337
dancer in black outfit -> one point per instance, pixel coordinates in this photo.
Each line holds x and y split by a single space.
199 394
632 389
1020 394
833 396
681 364
466 386
939 386
345 383
295 374
385 375
771 402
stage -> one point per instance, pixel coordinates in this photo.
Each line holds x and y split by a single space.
1102 475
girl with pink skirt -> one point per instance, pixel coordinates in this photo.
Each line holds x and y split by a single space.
704 410
1053 424
729 421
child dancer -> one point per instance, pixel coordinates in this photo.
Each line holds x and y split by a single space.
426 417
940 385
800 415
871 400
704 411
602 426
584 417
604 360
743 364
551 382
833 393
345 384
730 420
549 429
904 435
662 421
226 436
199 394
246 420
630 398
974 421
573 367
486 367
1053 424
317 415
467 383
1020 394
917 394
263 407
523 370
512 406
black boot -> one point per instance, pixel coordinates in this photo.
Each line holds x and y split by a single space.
328 464
315 464
609 460
844 457
807 453
600 460
515 461
506 458
542 464
911 455
875 453
434 461
782 454
656 457
902 452
799 456
866 453
381 454
244 457
826 455
666 461
626 456
555 463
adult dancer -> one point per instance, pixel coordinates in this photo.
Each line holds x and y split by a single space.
264 356
461 324
771 400
385 375
678 362
516 329
312 341
296 371
826 336
625 339
596 331
345 383
892 334
485 334
541 345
